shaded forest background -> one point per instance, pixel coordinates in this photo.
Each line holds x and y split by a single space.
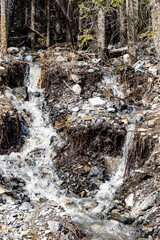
92 25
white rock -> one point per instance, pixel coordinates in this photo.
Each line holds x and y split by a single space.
111 110
13 50
96 60
76 89
3 190
74 78
91 70
126 59
144 205
139 66
54 225
75 109
25 206
47 232
81 63
2 68
29 58
129 200
96 102
110 47
153 71
53 154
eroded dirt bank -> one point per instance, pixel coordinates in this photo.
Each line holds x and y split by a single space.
11 75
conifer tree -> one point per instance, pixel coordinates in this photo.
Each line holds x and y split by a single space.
3 28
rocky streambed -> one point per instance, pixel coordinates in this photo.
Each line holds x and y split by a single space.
89 162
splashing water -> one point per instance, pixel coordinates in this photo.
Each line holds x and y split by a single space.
33 163
40 133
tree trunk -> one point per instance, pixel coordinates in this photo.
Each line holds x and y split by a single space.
26 14
131 30
122 25
48 23
20 14
3 29
33 14
101 33
8 14
136 9
68 34
156 25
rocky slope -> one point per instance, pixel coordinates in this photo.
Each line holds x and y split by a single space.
92 107
86 132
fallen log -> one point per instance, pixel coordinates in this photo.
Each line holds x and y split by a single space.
118 50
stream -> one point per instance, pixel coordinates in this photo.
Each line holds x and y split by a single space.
33 163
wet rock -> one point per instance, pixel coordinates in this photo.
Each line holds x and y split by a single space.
37 94
90 204
92 187
29 58
94 171
20 93
104 175
124 218
26 117
30 161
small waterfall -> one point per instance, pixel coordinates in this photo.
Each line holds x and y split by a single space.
107 229
128 145
33 164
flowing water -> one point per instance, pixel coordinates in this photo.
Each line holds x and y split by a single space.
33 164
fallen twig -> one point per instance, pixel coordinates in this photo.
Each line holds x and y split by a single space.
121 99
34 30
